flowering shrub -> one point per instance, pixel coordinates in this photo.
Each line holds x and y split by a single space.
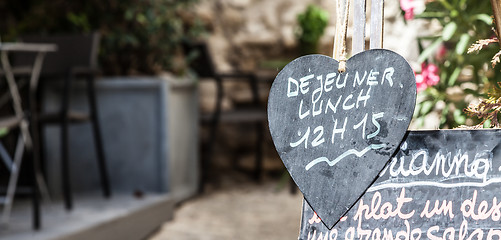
428 76
408 7
450 78
488 109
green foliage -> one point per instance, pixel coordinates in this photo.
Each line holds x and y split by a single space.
312 24
464 22
3 132
488 109
138 36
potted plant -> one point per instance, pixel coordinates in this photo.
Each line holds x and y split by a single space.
312 24
148 101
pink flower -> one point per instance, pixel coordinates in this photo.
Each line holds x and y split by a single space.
420 83
408 7
428 76
431 72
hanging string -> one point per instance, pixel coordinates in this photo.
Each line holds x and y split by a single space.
343 19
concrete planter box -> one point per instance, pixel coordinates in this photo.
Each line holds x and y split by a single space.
183 137
143 137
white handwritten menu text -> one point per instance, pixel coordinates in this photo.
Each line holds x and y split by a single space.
336 131
439 185
311 88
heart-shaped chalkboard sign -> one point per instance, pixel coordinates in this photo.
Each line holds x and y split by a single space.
336 131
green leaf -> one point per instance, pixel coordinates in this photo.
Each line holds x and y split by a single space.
449 31
482 17
428 37
454 13
445 111
471 91
426 107
459 117
430 15
429 50
3 131
129 14
420 121
487 123
417 110
454 76
462 44
433 92
141 18
447 5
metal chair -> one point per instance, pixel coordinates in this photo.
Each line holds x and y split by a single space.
76 58
255 115
24 145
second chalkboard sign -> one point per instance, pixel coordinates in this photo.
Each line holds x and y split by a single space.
336 131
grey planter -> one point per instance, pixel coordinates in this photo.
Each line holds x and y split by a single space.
183 137
135 115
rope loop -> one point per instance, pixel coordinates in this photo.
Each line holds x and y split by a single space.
342 65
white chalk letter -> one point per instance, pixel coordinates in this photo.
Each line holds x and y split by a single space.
336 130
289 92
364 98
364 123
320 137
358 80
302 139
388 74
341 85
371 80
301 114
329 80
314 100
305 83
348 107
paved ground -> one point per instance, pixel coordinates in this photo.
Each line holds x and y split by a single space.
237 211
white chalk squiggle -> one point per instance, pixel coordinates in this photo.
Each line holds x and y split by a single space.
433 184
345 154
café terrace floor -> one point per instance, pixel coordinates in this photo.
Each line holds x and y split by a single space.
238 208
93 217
246 211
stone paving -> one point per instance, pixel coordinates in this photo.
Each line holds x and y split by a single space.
237 211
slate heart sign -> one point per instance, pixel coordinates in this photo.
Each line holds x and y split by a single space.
336 131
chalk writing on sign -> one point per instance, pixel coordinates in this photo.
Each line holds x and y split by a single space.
431 190
336 131
314 90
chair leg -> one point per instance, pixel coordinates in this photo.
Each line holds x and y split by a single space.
206 165
35 195
41 178
41 147
65 171
98 141
14 166
258 171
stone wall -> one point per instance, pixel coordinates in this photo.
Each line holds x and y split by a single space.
244 33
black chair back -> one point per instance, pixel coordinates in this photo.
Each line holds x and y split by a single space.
77 50
200 59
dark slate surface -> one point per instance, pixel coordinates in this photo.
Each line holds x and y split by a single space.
454 172
310 104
